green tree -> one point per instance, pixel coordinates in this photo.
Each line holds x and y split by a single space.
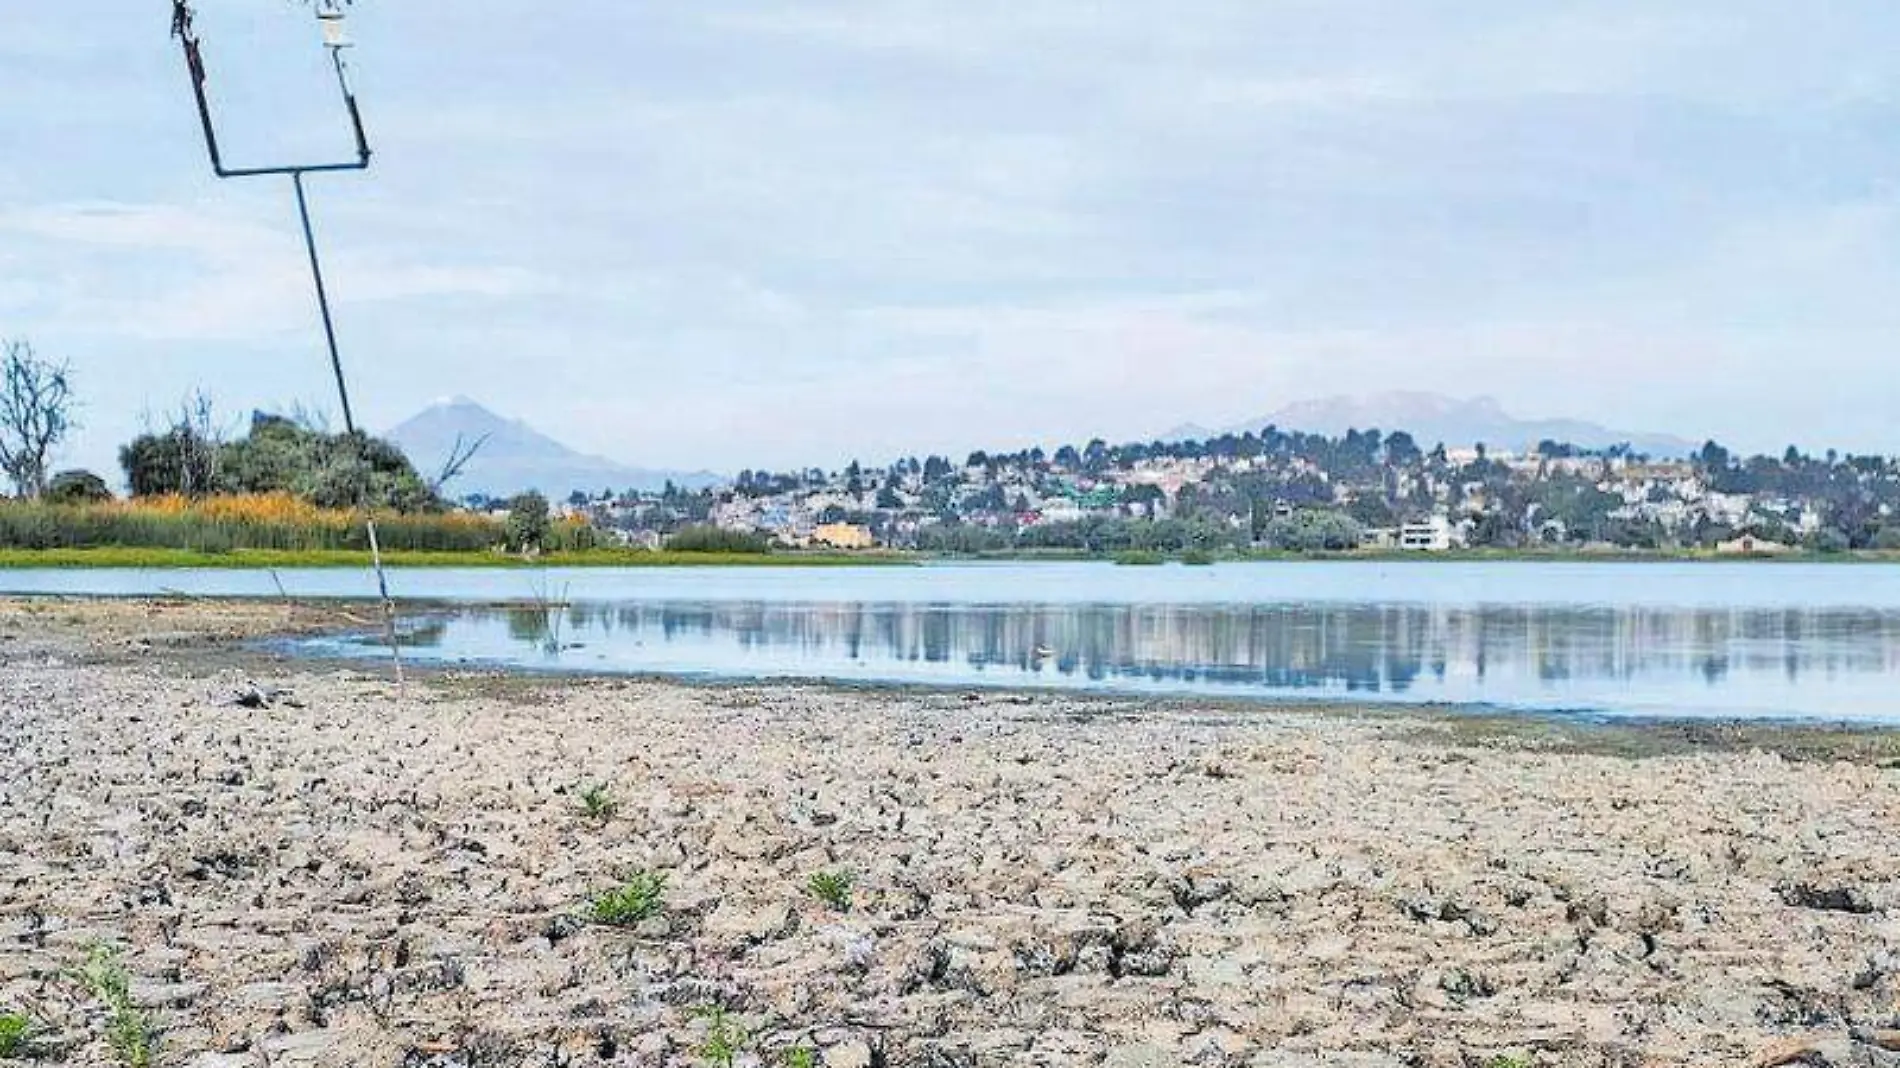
77 487
1145 496
528 522
1371 509
178 461
1401 450
1497 531
1829 540
1313 530
277 455
281 455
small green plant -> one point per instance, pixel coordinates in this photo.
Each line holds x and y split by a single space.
130 1034
726 1037
801 1057
16 1031
598 804
637 899
833 888
129 1030
1510 1060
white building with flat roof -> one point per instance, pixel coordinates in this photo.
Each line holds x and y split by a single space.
1433 535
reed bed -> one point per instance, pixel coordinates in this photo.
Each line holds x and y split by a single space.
272 521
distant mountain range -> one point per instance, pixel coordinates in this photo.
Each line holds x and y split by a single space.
516 457
1432 418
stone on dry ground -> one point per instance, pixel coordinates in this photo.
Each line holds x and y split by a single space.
374 881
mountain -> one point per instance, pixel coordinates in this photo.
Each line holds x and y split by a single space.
516 457
1432 418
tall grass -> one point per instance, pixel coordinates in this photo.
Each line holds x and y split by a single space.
710 539
119 556
275 521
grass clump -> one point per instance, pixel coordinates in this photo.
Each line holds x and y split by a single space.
598 804
638 899
801 1057
833 888
1509 1060
1197 558
129 1031
16 1032
712 539
726 1037
1139 558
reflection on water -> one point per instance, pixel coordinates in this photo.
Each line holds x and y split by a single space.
1832 663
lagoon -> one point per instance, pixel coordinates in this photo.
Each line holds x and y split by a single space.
1810 642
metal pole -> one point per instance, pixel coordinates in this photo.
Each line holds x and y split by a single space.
349 425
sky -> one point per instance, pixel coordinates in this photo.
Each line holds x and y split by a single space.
751 234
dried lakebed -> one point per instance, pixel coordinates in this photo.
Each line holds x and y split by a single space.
341 875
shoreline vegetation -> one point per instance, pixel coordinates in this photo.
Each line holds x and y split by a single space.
281 530
107 557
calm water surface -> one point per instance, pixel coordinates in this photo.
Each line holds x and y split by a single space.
1818 642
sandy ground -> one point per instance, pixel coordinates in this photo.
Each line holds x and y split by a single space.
351 876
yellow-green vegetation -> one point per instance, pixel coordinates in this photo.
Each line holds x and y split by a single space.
638 899
801 1057
1197 558
277 521
598 804
1139 558
16 1031
1509 1061
264 559
129 1032
833 888
726 1037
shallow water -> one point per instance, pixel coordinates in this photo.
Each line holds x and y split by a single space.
1814 642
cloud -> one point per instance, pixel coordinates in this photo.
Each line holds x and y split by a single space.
719 233
214 274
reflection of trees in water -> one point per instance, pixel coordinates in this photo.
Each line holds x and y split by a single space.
541 627
426 634
529 625
1366 648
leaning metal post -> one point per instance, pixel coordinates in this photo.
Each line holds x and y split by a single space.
349 423
194 60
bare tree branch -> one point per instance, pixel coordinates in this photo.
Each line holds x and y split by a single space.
459 455
36 414
203 443
311 418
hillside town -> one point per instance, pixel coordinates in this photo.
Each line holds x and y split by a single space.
1298 492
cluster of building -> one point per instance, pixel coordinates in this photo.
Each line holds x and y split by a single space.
1443 501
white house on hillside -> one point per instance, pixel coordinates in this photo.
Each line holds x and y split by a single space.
1434 535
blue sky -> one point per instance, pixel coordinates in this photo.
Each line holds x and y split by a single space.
742 233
